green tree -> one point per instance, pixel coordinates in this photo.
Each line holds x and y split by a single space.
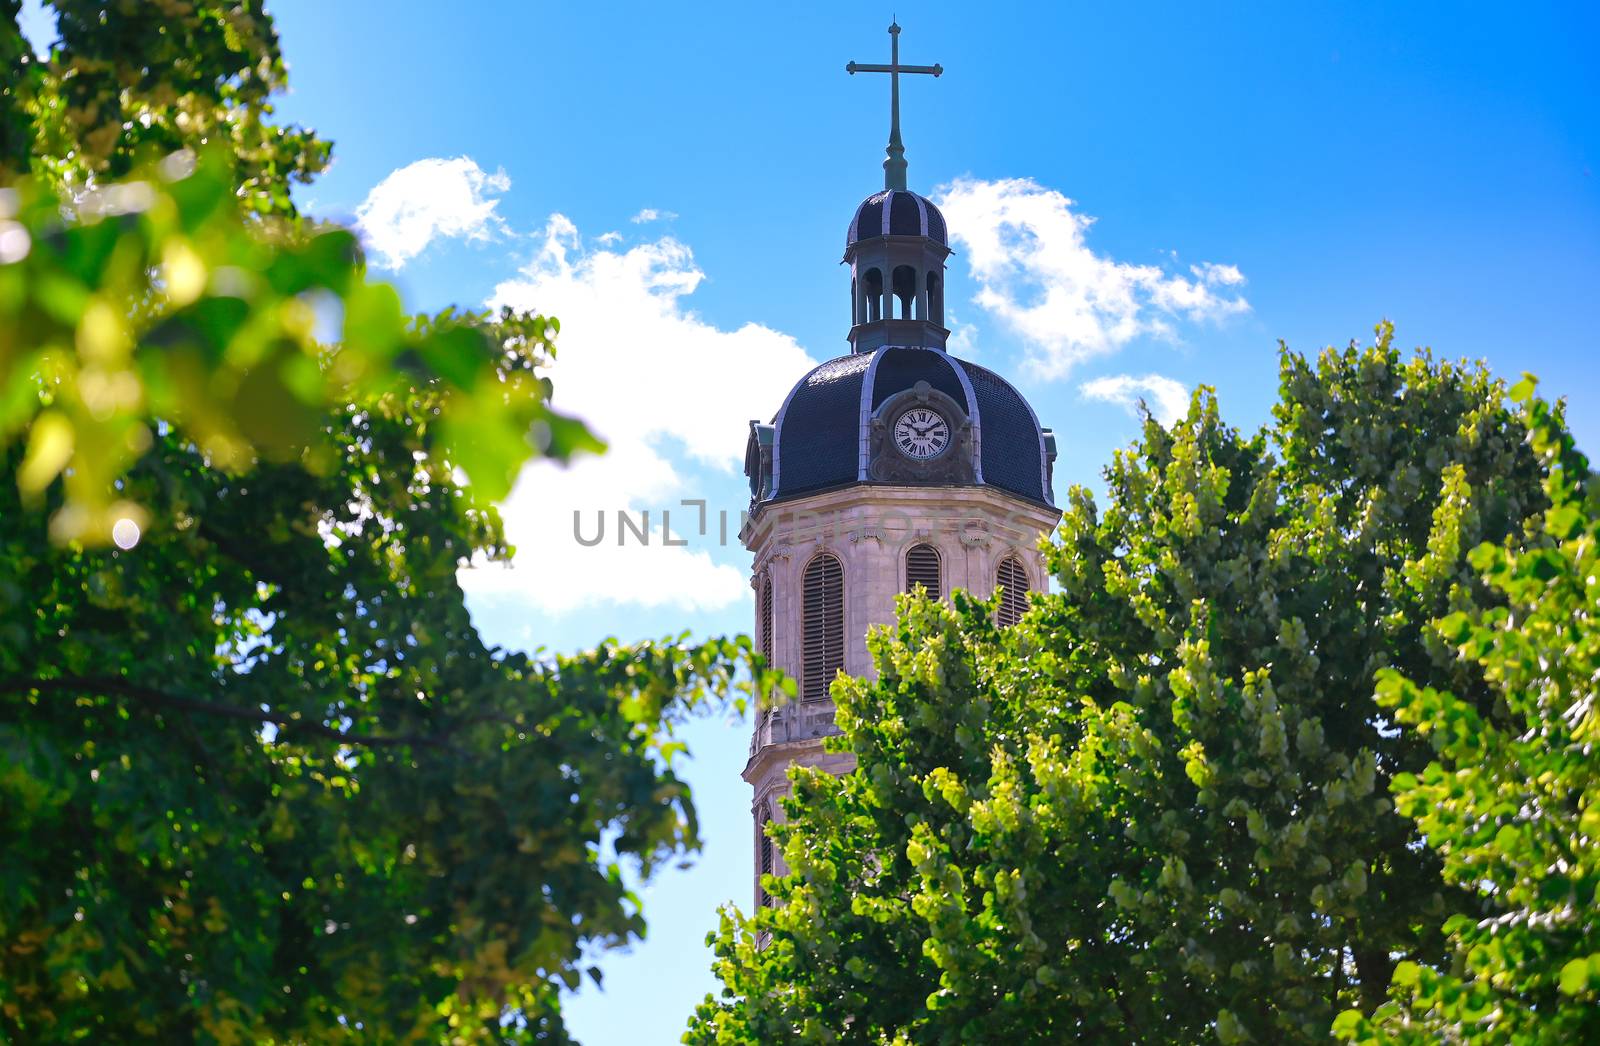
1512 804
129 82
260 778
1156 810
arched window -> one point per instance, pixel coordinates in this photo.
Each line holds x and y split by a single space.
822 647
922 568
935 299
855 303
764 614
872 282
1013 582
764 862
905 289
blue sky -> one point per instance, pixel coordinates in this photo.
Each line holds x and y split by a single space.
1433 165
1252 172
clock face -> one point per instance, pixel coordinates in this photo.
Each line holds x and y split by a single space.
921 433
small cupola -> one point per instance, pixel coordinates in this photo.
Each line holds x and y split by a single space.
896 252
896 245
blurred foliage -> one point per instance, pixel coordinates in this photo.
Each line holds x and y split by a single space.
1157 810
152 304
129 82
261 780
1512 804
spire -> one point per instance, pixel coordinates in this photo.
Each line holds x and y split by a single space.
894 168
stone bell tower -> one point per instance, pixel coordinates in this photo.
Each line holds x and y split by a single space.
892 466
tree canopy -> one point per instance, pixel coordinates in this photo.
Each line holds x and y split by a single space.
260 777
127 83
1512 803
1158 809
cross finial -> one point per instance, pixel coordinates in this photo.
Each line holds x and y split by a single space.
894 168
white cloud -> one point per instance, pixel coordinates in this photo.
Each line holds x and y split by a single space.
667 391
1168 400
651 214
1217 275
428 199
1028 251
963 340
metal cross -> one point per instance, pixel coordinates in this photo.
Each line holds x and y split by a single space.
894 168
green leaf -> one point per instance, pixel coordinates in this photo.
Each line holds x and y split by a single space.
1346 1023
1563 520
50 444
1575 977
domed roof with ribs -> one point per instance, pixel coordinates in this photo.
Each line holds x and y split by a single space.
896 212
818 441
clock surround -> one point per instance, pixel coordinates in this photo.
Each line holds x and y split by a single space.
887 462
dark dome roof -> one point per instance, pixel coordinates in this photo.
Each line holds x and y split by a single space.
821 442
896 212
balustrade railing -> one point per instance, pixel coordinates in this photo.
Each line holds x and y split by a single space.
795 721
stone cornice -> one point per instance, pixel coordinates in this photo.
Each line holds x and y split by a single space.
783 752
1001 516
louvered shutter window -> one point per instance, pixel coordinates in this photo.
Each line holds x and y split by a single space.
823 646
922 568
1013 581
764 614
764 858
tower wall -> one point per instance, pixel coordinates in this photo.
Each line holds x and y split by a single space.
870 529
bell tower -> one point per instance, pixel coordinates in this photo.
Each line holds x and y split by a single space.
891 467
